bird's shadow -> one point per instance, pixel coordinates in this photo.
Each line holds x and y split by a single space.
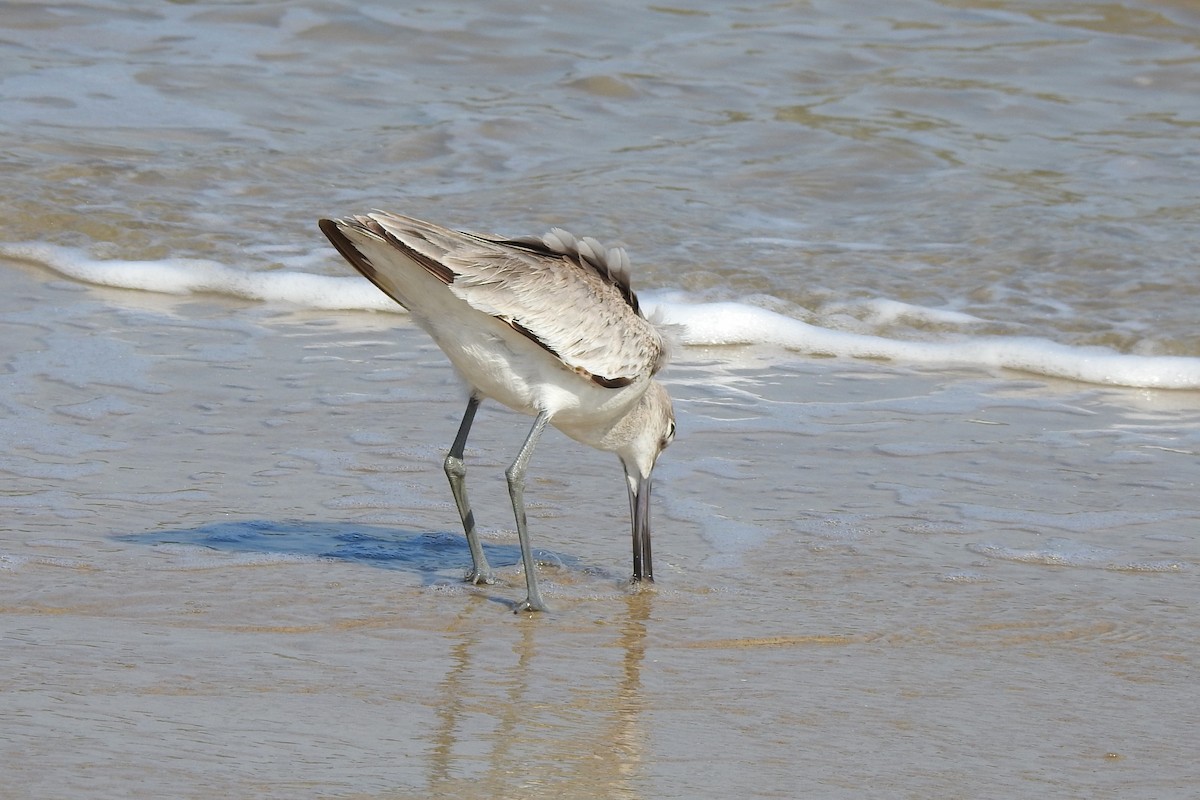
433 555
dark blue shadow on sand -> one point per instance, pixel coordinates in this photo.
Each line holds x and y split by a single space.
422 552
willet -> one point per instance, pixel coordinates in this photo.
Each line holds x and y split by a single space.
548 326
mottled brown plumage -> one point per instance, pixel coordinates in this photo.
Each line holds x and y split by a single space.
549 326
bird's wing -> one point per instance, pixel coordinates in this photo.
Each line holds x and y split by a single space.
570 296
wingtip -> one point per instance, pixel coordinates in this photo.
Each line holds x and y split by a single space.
328 227
332 228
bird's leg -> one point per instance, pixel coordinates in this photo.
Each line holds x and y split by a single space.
456 471
516 490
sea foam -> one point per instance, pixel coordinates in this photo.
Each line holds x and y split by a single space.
702 323
737 323
182 276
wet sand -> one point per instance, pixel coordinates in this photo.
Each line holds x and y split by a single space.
230 568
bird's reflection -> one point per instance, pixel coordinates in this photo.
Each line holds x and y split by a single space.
543 706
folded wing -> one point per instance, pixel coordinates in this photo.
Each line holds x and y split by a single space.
570 296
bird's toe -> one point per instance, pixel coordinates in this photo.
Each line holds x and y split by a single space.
531 604
480 577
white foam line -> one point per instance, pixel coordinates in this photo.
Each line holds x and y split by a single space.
736 323
181 276
704 323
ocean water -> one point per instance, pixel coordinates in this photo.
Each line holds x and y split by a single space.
930 527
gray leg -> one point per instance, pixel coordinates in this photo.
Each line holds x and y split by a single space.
516 490
456 471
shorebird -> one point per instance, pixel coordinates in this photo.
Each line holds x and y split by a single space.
548 326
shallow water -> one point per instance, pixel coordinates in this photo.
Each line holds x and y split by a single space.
231 565
1031 165
232 568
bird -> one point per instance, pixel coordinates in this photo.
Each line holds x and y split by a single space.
546 325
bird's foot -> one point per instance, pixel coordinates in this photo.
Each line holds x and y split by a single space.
533 603
640 585
477 576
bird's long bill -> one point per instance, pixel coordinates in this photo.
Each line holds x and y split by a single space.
639 506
